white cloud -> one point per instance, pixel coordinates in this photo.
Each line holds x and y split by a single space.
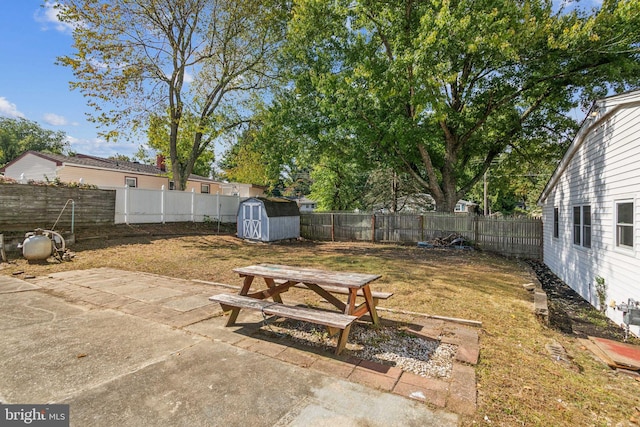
55 120
9 109
100 148
48 16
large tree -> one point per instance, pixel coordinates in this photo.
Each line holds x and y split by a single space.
438 89
20 135
137 59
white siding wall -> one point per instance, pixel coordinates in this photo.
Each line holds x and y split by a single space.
33 167
604 170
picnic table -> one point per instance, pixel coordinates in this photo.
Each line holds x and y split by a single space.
279 278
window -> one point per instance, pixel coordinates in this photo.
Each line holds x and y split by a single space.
576 225
624 224
556 226
582 225
131 181
204 188
586 226
172 185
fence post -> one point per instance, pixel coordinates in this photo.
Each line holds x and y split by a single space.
475 229
3 256
193 204
373 228
333 236
162 204
126 204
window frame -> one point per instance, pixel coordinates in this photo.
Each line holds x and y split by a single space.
135 181
556 222
582 225
203 186
618 225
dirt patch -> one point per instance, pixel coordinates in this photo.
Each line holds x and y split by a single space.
572 314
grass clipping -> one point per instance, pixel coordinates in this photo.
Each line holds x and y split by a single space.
386 345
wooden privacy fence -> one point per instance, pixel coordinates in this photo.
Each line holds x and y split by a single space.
519 237
24 207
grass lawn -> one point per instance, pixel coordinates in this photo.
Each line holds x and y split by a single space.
518 381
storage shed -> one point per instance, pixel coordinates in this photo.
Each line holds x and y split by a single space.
268 219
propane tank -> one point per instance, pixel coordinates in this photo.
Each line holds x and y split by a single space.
36 246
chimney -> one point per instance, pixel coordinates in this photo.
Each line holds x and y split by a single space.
160 163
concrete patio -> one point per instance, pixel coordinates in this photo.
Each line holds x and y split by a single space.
127 348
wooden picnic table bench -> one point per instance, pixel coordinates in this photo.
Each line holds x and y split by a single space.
279 278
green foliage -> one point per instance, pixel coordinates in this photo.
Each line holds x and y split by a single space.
159 139
439 90
601 292
389 191
143 61
20 135
337 185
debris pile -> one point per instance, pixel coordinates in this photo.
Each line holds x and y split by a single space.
453 240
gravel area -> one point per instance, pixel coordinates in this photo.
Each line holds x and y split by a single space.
386 345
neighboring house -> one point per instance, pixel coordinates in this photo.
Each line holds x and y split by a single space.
591 206
306 205
109 173
464 206
419 203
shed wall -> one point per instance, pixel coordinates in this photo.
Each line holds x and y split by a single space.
283 227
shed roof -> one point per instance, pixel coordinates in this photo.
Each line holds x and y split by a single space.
276 207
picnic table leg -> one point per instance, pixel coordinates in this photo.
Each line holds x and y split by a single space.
342 339
368 299
272 284
351 301
244 291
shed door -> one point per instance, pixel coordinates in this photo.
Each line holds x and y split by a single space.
251 225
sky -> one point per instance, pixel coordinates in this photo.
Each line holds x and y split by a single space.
33 87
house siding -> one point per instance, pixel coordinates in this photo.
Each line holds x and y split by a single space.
34 168
109 179
603 170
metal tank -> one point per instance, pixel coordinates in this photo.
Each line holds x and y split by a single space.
36 246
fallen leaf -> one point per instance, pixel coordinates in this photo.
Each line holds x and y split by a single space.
81 355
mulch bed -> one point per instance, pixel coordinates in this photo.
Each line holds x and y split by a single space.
572 314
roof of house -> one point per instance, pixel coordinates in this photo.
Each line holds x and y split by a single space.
86 160
600 112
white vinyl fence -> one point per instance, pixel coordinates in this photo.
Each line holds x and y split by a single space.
143 206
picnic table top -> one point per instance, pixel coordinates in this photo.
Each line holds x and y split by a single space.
308 275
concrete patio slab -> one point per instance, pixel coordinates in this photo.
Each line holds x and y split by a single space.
160 363
187 303
13 284
70 349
